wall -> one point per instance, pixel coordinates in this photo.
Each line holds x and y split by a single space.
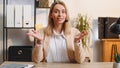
94 9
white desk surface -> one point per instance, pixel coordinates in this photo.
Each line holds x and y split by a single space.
65 65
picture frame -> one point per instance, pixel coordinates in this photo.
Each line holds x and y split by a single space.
42 17
44 3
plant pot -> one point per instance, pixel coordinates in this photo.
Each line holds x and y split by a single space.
116 65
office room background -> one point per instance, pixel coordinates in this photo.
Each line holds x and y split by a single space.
93 8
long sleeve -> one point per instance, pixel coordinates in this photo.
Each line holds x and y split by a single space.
82 54
79 53
37 53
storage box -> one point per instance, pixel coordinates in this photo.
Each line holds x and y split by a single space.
20 53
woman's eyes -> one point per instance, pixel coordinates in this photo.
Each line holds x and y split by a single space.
63 12
56 11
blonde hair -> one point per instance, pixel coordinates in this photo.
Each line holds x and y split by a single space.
50 26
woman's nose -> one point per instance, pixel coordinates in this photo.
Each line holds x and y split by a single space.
60 13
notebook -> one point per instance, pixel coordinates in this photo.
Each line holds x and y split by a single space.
18 66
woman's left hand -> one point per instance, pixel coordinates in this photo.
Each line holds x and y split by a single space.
80 36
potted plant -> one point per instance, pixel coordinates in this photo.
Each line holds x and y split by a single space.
116 64
117 57
83 23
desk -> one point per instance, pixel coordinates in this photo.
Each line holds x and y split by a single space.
66 65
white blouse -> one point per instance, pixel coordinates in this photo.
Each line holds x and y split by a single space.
57 49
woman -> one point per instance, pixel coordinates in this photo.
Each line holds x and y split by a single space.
58 42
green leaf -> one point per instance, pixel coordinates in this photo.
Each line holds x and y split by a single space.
117 57
83 24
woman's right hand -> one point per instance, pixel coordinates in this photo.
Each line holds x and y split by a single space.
36 35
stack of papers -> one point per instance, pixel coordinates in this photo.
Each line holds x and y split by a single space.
18 66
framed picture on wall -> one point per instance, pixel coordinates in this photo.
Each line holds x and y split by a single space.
41 17
44 3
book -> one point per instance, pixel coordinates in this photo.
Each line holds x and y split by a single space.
17 66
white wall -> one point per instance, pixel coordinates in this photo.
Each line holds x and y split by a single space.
94 9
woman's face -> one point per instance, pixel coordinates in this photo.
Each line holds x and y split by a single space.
58 14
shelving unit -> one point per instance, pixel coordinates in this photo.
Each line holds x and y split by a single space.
108 51
35 5
6 29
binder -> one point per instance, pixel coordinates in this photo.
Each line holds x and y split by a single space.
10 16
27 16
18 15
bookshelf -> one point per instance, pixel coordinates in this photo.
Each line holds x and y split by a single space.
17 20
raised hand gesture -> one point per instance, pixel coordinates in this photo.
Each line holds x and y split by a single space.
80 36
36 35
